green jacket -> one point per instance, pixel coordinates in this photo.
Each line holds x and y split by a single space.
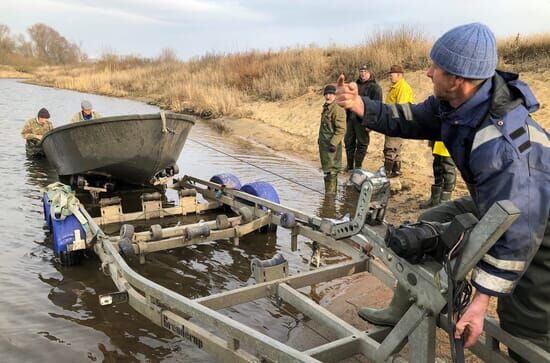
33 128
78 116
331 132
333 124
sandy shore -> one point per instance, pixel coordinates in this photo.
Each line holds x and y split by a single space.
292 127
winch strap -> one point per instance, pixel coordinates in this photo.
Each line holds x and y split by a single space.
63 203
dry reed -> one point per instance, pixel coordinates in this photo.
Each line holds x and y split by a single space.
218 84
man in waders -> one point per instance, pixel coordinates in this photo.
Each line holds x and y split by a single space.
400 92
86 113
483 116
331 133
33 130
357 137
444 176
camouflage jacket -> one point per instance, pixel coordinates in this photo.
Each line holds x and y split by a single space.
32 128
79 117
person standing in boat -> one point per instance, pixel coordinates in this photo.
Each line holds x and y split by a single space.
86 113
34 129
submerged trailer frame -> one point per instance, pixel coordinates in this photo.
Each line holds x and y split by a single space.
194 319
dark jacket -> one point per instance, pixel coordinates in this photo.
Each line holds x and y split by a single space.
368 88
501 152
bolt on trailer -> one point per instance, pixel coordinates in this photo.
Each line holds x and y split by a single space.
431 284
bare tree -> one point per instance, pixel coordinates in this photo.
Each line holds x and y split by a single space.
51 47
23 46
7 44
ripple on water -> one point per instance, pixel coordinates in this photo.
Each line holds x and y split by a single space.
54 309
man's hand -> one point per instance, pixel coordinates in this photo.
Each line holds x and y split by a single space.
331 148
470 325
347 96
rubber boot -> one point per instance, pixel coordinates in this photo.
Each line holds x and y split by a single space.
445 196
388 167
396 168
331 184
359 157
434 199
389 316
350 155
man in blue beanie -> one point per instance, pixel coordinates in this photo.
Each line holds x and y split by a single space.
483 117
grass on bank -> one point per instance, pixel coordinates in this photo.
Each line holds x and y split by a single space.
214 85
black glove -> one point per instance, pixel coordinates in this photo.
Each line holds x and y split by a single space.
331 148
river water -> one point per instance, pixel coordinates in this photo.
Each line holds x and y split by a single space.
50 313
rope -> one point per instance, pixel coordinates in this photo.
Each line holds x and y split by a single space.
256 166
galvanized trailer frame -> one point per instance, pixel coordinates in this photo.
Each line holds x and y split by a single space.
195 319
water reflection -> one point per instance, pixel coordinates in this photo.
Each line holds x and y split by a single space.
39 172
338 206
54 309
74 297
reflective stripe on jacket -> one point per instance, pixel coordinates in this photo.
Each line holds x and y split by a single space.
501 152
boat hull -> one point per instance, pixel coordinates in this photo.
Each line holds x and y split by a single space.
132 149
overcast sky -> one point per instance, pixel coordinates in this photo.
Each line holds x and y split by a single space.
195 27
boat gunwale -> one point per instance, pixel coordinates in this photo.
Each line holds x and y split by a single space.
108 119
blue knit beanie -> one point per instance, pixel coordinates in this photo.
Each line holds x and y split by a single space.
468 51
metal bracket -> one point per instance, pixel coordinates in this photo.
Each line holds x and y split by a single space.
78 244
269 270
368 210
152 205
113 298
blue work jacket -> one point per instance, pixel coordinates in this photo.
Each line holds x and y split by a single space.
501 152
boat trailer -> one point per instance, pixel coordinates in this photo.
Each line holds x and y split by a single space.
199 321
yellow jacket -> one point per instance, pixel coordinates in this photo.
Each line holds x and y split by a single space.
400 92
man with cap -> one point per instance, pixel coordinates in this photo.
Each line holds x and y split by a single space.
483 116
86 113
400 92
357 137
33 130
331 133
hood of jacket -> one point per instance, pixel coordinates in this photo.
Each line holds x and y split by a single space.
509 92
